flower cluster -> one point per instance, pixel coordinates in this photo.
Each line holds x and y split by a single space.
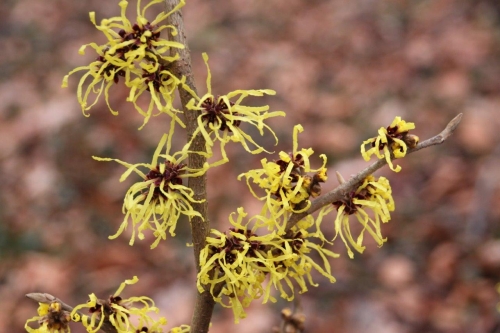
235 265
156 202
373 195
393 140
136 52
119 311
286 183
222 116
52 319
242 264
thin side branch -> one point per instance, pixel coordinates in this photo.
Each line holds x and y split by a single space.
47 299
355 181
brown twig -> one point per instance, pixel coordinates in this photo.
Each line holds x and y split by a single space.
353 182
200 228
106 327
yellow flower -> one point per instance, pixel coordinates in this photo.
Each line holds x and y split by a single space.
372 194
157 202
132 49
286 183
52 319
240 262
119 312
391 140
104 72
233 260
161 84
140 40
299 267
221 117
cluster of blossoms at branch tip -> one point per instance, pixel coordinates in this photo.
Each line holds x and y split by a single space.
235 265
119 311
286 183
51 318
222 116
394 140
157 202
136 52
373 196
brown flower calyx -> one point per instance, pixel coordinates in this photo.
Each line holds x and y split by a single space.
214 112
170 175
56 318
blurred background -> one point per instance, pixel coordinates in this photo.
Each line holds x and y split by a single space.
342 69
